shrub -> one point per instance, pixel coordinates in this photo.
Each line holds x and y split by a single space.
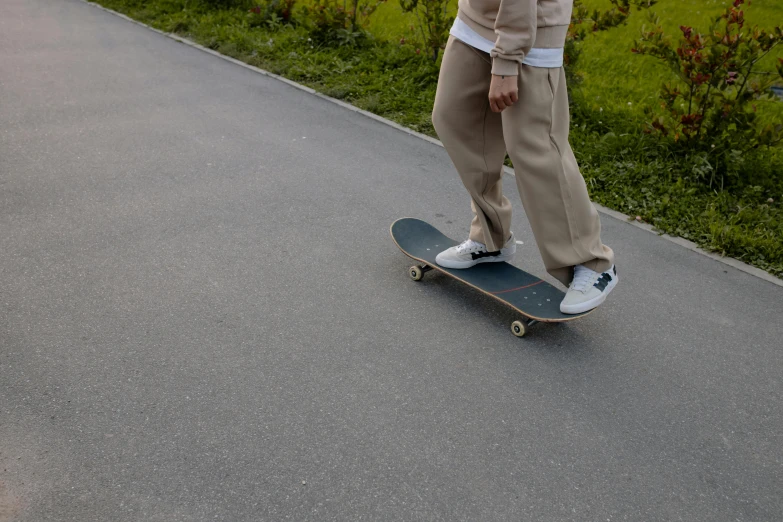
226 4
331 23
434 22
711 109
272 12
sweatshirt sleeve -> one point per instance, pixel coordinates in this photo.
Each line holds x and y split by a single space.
515 27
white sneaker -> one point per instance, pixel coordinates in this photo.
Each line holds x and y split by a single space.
588 289
470 253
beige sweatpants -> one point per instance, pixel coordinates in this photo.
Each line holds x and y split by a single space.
534 131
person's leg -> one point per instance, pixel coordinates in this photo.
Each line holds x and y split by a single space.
564 221
473 137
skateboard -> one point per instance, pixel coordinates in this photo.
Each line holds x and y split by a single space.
535 299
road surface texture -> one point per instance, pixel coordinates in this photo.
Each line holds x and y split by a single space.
202 317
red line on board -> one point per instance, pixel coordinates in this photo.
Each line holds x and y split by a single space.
515 289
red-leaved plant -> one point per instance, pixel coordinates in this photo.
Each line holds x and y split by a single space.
712 107
270 13
434 20
339 22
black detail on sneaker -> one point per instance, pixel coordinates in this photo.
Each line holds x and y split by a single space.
603 281
479 255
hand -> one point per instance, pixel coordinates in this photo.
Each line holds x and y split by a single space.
503 92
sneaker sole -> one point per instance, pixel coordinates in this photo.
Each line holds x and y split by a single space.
468 264
592 303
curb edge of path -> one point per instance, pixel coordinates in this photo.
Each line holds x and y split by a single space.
689 245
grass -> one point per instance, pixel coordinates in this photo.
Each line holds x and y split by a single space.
625 169
635 175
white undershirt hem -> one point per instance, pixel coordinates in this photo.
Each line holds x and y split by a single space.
537 57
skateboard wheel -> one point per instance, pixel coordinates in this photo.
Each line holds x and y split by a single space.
518 328
416 273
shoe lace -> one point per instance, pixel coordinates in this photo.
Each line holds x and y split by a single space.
583 279
468 245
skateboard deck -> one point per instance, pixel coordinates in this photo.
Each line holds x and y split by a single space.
532 297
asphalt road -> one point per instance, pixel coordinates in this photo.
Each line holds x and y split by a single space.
202 317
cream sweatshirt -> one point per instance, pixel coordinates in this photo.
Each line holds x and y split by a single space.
516 26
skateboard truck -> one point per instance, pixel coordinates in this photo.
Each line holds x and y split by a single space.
519 328
417 271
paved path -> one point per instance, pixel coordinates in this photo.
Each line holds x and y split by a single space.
202 317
